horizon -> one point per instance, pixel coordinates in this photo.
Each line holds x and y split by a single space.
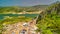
26 3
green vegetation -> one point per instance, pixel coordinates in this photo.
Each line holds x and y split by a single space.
12 20
17 9
49 21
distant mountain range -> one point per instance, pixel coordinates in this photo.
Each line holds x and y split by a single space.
18 9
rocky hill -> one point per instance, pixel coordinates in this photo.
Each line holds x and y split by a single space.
49 20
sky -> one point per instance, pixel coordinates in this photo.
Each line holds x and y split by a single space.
25 2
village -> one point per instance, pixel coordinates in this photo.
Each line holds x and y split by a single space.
22 28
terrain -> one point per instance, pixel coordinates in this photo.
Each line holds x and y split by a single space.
18 9
48 21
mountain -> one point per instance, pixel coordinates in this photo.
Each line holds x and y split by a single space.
40 6
17 9
48 21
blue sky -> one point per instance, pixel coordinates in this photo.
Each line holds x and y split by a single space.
25 2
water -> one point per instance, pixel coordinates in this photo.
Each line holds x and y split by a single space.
16 15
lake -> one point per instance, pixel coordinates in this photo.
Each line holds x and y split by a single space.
16 15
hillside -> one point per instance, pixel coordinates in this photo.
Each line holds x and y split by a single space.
41 7
49 21
17 9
